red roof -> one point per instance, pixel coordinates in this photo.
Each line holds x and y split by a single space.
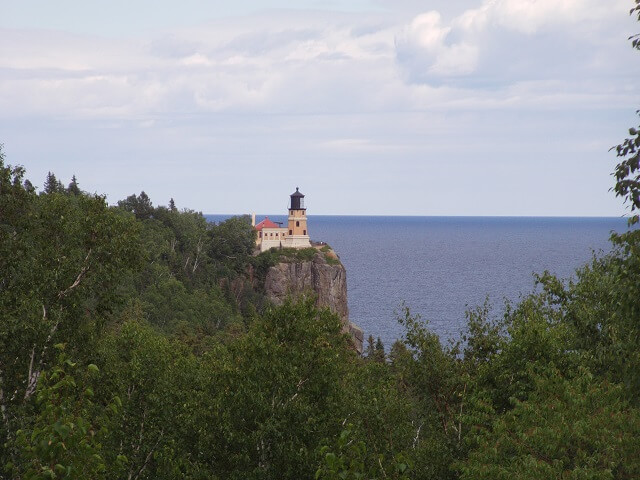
266 223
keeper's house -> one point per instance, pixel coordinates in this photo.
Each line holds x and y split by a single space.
295 235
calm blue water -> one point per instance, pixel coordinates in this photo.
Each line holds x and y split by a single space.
440 266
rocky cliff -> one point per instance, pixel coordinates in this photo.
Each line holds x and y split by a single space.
326 280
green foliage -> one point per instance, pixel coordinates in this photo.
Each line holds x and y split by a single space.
64 259
375 350
349 462
53 185
434 379
627 172
62 442
233 242
382 415
331 259
575 428
635 39
329 255
139 205
289 255
600 311
156 383
73 188
274 394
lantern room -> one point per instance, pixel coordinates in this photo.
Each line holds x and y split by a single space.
297 201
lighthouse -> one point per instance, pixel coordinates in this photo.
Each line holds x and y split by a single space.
297 234
294 235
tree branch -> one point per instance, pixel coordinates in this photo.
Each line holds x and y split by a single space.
148 457
415 440
5 418
3 406
32 377
83 271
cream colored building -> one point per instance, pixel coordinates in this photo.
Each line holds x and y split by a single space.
270 234
295 235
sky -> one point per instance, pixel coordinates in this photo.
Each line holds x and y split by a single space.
370 107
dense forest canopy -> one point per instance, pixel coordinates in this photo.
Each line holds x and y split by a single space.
136 343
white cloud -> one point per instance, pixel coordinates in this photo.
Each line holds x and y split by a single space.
424 42
505 41
293 62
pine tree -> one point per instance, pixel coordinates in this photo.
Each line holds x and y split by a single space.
73 188
52 185
371 349
28 186
379 351
172 205
140 205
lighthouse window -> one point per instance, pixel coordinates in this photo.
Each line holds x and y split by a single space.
290 232
297 223
304 232
260 234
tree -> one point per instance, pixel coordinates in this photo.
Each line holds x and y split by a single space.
63 440
627 172
576 427
635 39
348 461
52 184
172 205
139 205
379 350
232 242
371 347
73 188
28 186
64 261
274 394
152 434
375 350
432 377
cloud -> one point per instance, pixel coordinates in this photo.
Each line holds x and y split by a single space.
423 44
271 63
495 54
502 42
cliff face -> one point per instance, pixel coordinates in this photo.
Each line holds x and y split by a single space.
327 282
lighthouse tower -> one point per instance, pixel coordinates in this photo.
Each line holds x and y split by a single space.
297 235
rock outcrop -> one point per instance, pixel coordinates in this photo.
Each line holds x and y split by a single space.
326 281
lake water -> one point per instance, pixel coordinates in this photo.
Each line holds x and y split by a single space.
440 266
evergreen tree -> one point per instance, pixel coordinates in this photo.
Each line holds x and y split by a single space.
370 351
52 184
379 353
172 205
139 205
28 186
73 188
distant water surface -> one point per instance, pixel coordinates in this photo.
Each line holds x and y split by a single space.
440 266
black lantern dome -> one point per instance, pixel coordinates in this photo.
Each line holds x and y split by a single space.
297 200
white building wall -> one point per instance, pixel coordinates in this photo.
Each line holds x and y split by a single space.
297 241
272 237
